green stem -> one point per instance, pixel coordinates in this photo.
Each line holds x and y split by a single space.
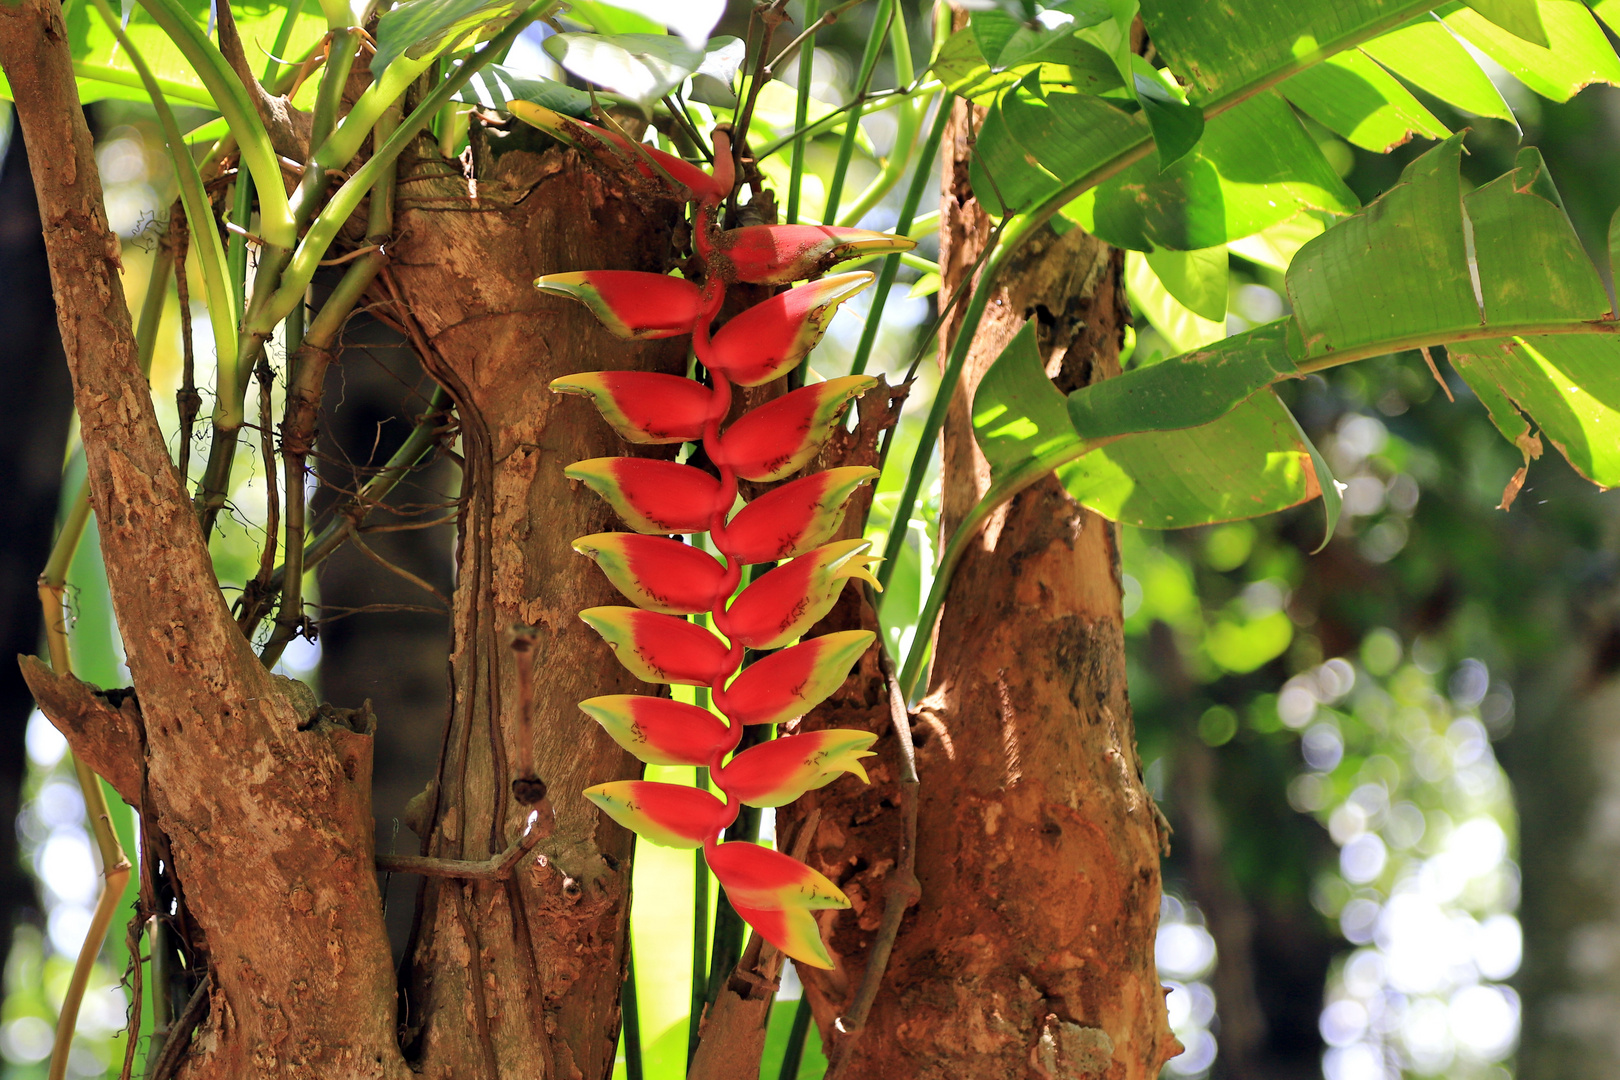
700 940
1000 492
344 142
797 1034
334 77
873 102
347 198
911 115
157 291
881 22
891 264
631 1013
232 100
236 254
193 197
801 111
1014 235
278 48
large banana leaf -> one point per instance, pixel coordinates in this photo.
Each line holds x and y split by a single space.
1058 129
1497 275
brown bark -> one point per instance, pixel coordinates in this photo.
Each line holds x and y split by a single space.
104 728
1031 951
266 813
521 978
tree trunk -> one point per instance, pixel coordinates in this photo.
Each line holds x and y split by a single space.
1031 951
521 978
264 802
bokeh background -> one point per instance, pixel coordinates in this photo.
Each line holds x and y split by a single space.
1392 768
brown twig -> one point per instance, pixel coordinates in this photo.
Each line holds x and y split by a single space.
1434 370
495 868
179 1040
399 571
132 1033
351 256
187 401
772 17
827 19
901 890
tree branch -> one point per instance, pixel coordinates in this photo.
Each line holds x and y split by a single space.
103 728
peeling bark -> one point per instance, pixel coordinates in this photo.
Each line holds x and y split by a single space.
1031 951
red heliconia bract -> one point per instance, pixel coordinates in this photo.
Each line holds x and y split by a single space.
651 496
657 573
756 445
666 579
767 340
631 303
778 254
789 521
644 406
690 181
659 730
661 648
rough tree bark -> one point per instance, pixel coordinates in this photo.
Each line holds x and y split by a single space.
522 978
265 804
264 799
1031 951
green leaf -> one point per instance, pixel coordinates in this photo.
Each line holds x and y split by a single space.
424 28
1579 55
1401 269
642 67
1037 138
1521 18
1004 39
714 82
692 20
1018 415
1177 124
1275 247
1254 167
1252 461
1424 53
1071 63
1350 95
494 86
1185 391
1570 386
611 18
1199 279
1609 12
1179 325
1519 224
1397 269
1217 49
104 71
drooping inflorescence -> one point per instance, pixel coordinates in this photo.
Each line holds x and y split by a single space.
668 580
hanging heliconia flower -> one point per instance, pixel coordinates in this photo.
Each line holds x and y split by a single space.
667 580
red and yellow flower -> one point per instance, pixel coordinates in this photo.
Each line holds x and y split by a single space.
667 580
